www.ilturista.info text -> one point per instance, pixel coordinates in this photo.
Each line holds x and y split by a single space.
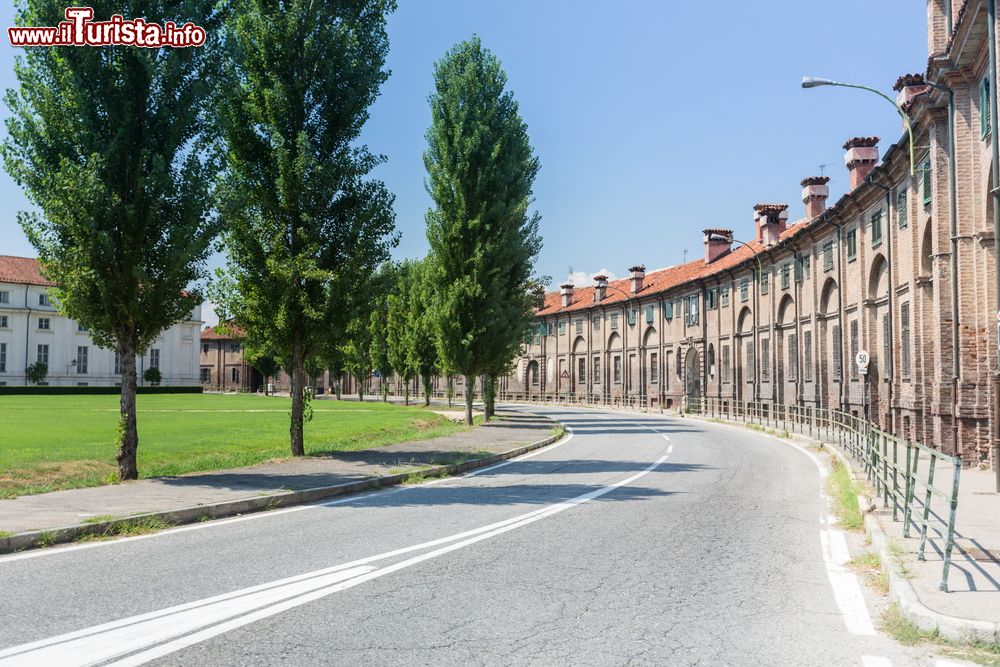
80 30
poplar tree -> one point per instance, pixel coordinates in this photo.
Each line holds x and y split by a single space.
422 348
303 221
398 333
484 242
108 144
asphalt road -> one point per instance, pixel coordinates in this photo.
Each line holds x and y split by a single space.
637 540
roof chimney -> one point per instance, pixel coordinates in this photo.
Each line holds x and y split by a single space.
814 195
908 87
600 287
718 242
636 276
770 220
860 158
566 290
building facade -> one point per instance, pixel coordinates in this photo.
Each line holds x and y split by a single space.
903 267
222 366
32 330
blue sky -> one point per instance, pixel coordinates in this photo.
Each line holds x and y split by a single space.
652 120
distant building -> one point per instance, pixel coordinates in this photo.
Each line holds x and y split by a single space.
222 365
32 330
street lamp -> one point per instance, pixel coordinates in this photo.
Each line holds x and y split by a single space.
815 82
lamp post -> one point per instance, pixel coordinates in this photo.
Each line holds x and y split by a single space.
626 382
815 82
756 301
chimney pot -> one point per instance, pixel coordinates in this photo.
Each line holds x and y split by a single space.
600 287
717 247
860 158
637 275
815 192
771 220
566 291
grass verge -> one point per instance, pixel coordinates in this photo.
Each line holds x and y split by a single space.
131 528
845 494
906 632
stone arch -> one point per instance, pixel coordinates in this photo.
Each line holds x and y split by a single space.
579 345
614 342
532 379
692 373
878 278
829 300
927 250
744 322
650 337
786 310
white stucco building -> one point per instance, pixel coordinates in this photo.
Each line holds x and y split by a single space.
31 330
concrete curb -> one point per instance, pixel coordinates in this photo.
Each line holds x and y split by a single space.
953 628
43 538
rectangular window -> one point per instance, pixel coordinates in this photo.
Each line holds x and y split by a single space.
44 324
750 361
581 370
828 256
984 107
807 356
81 359
631 314
618 369
206 375
854 349
725 363
904 338
799 269
876 228
901 210
785 276
550 329
744 289
724 297
43 354
118 363
597 370
765 280
614 321
886 347
692 310
3 357
654 367
43 299
765 359
4 296
838 370
650 313
3 322
793 357
154 358
852 244
597 322
235 375
926 169
668 310
711 299
562 328
81 328
666 370
579 326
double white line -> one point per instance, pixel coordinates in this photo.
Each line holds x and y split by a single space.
139 639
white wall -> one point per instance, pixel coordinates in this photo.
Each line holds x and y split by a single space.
178 346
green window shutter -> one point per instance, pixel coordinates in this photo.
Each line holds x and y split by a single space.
984 107
901 210
668 310
798 269
876 228
649 314
926 167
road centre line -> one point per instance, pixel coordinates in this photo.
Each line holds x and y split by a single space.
111 640
55 551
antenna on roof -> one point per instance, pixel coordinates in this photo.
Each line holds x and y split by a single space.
822 169
685 254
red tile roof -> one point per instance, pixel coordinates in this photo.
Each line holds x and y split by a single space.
23 270
663 280
214 333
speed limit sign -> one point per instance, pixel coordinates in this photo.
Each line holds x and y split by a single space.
862 359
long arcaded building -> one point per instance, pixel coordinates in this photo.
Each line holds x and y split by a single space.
903 267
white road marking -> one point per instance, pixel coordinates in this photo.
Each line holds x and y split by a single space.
56 551
239 608
875 661
846 587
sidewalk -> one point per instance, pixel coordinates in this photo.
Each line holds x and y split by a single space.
223 492
974 579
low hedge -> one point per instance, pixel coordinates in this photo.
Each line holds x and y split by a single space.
53 390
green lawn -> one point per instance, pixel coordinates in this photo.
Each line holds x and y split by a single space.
60 442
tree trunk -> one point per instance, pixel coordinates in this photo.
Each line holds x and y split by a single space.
361 390
451 390
470 388
338 388
427 389
489 393
128 438
406 392
298 399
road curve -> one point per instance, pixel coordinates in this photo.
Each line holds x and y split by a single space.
640 539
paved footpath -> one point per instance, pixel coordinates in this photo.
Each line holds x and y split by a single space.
637 540
47 511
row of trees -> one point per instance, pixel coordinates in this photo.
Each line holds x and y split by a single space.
141 162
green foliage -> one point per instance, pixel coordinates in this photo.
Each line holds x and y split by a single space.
109 145
153 376
303 222
36 372
483 241
845 493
